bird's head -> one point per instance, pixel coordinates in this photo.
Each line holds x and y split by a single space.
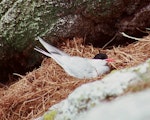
103 56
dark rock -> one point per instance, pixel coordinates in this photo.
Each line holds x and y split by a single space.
139 20
98 21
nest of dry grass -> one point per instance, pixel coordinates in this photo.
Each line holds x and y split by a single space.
34 93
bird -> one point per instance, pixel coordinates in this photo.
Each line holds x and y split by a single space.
75 66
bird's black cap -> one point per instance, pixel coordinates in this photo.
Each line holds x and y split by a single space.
101 56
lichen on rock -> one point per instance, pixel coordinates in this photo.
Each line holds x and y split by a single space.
89 95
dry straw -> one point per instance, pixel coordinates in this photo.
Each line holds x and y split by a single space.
34 93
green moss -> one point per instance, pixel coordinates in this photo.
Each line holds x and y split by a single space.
25 20
113 71
50 115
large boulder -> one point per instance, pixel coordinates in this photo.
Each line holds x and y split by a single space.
93 94
129 107
21 21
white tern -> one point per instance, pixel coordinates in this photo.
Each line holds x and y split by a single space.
75 66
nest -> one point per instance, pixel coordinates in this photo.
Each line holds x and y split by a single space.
35 92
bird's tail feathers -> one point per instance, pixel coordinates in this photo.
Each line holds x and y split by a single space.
42 51
50 48
56 57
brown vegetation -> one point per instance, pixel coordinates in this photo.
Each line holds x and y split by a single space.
34 93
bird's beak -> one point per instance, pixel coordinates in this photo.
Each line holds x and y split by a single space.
109 60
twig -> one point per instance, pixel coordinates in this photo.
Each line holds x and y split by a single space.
134 38
109 41
21 76
2 85
141 30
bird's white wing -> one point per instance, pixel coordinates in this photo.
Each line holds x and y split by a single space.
77 67
50 48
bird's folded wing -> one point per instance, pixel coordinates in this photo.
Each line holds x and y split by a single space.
50 48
